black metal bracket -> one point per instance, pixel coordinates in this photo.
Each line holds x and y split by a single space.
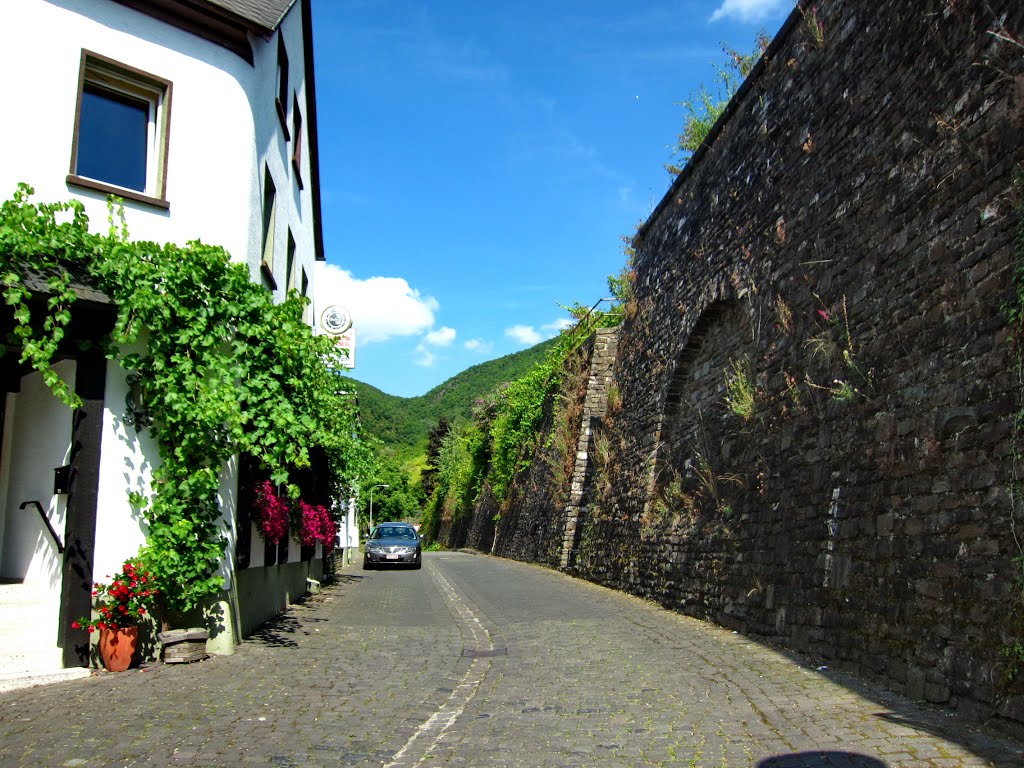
47 523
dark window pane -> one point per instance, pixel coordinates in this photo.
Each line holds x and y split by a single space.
113 134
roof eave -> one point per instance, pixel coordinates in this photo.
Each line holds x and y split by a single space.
206 20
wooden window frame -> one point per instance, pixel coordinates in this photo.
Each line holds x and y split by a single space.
108 74
297 141
289 278
269 227
281 97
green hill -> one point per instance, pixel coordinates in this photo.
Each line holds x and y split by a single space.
402 423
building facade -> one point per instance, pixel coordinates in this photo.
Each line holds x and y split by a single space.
201 116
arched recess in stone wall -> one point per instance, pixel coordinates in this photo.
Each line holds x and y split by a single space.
696 424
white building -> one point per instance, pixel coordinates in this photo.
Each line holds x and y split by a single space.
212 104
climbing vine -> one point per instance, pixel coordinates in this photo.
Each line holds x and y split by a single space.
223 369
505 435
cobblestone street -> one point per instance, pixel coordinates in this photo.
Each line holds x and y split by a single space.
477 661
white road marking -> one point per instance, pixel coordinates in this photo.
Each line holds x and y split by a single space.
435 727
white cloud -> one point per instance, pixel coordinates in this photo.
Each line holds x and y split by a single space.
527 335
424 357
381 307
557 326
441 337
748 10
479 345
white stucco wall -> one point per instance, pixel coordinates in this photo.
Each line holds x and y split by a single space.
39 439
295 207
9 402
224 126
126 464
224 130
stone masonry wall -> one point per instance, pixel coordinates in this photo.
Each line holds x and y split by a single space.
813 439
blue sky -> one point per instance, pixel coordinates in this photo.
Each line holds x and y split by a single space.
480 161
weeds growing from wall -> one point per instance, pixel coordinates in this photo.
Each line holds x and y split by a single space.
704 107
784 314
711 484
832 348
561 444
813 25
740 392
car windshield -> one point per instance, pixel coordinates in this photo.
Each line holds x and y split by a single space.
394 532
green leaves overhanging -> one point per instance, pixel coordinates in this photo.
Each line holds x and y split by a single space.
224 370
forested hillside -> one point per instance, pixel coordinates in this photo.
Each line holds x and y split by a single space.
402 423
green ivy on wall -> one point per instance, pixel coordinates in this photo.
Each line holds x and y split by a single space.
503 439
223 370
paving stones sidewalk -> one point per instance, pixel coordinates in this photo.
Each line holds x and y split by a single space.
479 662
299 692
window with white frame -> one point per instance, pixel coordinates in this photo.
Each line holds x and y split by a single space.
122 122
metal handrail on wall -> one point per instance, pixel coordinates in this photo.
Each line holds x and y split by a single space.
47 523
586 324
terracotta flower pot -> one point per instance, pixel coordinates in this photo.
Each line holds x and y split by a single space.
117 647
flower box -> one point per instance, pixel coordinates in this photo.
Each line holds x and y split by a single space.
184 645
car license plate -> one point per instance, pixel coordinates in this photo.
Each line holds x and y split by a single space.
392 557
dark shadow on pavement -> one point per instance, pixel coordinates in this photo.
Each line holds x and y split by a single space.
819 759
275 632
990 741
986 743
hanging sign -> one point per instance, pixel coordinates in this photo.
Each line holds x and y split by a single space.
335 320
346 346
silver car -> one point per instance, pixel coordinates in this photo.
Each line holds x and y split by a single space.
393 544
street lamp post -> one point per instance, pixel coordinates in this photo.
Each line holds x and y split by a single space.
380 485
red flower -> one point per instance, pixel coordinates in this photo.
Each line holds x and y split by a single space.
121 603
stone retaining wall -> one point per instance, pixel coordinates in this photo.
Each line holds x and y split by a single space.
816 383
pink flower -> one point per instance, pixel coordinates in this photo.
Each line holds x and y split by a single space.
317 525
271 513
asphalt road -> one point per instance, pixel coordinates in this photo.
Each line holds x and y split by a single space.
480 662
